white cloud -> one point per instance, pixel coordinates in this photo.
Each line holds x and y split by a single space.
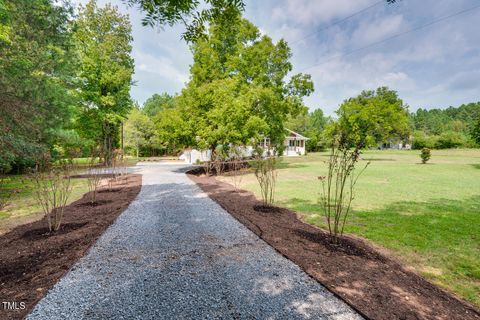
372 31
433 67
313 13
161 66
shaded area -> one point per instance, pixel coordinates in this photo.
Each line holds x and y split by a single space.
375 285
33 259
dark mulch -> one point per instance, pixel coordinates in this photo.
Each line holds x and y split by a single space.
32 260
375 285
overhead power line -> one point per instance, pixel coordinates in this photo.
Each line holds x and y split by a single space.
338 21
394 36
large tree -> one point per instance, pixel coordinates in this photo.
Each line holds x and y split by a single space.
36 74
373 117
239 89
103 41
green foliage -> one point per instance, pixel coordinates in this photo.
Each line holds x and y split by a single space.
422 140
158 103
312 126
447 128
425 155
169 12
103 43
139 131
450 139
5 28
172 131
238 91
437 121
36 67
476 131
373 117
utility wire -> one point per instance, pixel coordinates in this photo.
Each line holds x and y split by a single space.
394 36
338 21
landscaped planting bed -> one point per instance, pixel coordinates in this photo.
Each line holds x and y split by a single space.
32 260
376 285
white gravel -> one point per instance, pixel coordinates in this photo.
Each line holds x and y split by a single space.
176 254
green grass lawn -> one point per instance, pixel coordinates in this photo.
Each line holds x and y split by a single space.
23 208
428 215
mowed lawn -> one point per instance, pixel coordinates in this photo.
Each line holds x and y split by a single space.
428 216
23 207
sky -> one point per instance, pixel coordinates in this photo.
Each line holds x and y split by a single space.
433 67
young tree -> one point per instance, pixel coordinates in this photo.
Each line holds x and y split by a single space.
103 41
425 155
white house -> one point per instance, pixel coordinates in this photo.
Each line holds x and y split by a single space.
294 146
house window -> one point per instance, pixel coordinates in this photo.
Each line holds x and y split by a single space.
264 142
291 143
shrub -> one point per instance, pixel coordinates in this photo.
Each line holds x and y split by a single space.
422 140
94 176
236 166
338 187
451 139
425 155
52 188
266 176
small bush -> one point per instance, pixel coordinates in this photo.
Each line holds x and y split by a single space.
267 177
94 176
338 186
52 188
425 155
451 139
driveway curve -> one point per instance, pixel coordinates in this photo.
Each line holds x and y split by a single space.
176 254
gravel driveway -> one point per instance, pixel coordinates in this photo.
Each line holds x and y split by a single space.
175 254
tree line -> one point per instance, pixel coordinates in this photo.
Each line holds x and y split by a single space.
372 119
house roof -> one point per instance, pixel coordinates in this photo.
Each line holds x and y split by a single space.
297 134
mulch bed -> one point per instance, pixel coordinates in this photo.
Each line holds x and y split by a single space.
375 285
32 260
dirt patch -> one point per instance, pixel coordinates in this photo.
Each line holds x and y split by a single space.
32 259
377 286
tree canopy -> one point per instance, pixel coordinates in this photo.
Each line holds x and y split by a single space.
373 117
238 91
36 69
157 103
